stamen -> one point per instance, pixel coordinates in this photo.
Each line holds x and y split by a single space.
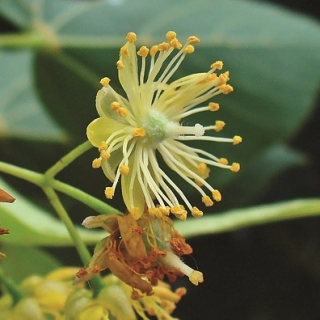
216 195
214 106
171 35
235 167
225 88
124 169
105 81
223 161
219 125
131 37
96 163
237 139
202 168
196 212
139 132
143 52
109 192
120 65
154 50
207 201
188 49
193 40
217 65
103 146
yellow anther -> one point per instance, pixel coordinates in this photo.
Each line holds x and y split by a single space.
176 44
179 212
155 212
171 35
109 192
120 65
226 88
237 139
164 46
188 49
224 77
235 167
196 212
122 112
131 37
96 163
193 40
198 182
165 210
103 146
202 167
207 201
124 51
182 215
223 161
115 105
105 81
104 155
219 125
216 195
154 50
139 132
143 52
217 65
124 169
213 106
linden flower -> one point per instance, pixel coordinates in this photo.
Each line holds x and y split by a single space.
139 252
116 301
130 130
45 297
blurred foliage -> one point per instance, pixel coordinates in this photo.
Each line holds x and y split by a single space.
53 54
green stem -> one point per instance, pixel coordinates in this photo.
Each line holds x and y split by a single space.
12 288
67 159
84 254
23 40
42 181
248 217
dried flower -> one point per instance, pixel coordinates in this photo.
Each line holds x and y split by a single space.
5 197
130 130
139 252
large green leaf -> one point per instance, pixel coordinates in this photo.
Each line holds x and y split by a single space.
20 262
30 225
21 113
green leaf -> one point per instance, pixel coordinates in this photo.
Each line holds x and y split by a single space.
270 100
32 226
21 113
20 262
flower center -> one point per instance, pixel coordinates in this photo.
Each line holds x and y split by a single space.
157 128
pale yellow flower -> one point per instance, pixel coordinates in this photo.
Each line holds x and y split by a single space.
131 130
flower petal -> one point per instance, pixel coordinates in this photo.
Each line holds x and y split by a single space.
100 129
